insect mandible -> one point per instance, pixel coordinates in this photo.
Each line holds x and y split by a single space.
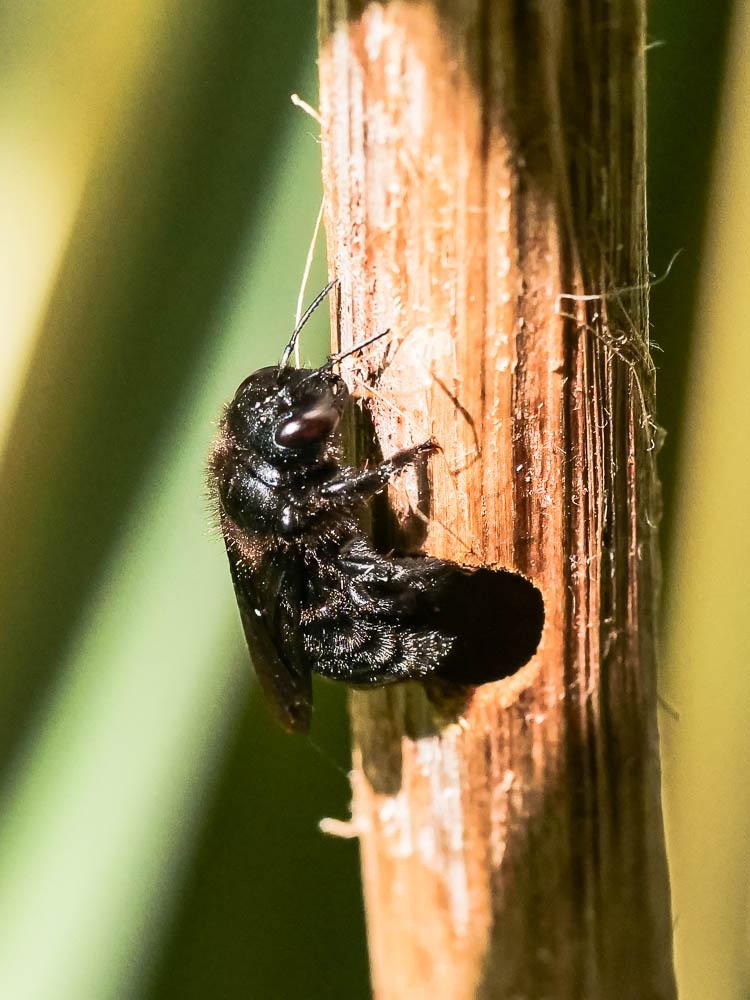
313 593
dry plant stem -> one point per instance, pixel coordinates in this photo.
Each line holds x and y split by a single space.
482 159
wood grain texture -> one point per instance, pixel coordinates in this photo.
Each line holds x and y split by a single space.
481 161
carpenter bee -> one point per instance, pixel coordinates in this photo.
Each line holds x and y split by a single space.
313 593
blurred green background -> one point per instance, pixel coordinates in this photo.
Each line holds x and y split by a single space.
158 191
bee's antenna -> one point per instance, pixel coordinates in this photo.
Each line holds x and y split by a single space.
304 318
334 358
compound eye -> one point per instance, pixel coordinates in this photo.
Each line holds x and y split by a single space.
307 427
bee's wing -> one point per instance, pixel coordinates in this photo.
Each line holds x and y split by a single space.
270 618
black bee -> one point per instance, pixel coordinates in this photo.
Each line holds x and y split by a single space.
313 594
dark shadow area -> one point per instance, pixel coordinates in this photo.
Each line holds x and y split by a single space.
139 298
685 72
496 616
272 908
386 533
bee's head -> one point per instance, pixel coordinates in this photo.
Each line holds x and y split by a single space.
287 415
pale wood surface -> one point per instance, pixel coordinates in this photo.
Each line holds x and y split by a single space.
480 161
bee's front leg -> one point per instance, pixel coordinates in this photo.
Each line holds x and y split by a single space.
355 484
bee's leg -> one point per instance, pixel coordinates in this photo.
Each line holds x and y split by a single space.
373 652
355 484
